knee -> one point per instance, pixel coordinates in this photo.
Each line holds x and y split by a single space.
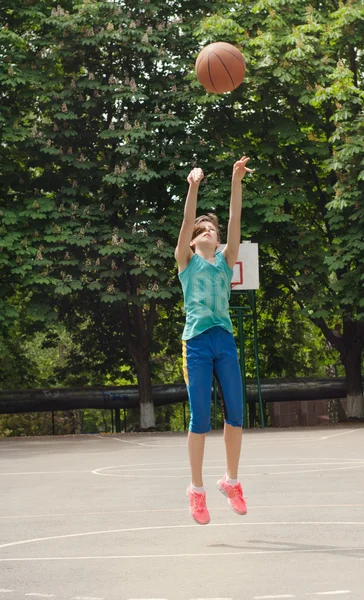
234 417
199 425
235 422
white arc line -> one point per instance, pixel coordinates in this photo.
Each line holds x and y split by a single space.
127 475
36 595
86 598
165 527
271 597
335 593
130 468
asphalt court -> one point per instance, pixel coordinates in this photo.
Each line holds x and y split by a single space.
106 518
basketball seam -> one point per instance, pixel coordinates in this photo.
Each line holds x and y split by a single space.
199 58
217 56
234 55
208 66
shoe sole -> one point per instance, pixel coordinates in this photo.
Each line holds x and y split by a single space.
198 522
219 487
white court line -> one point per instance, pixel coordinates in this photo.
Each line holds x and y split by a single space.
213 443
314 459
358 464
253 442
335 593
166 464
164 556
127 473
86 598
49 439
36 595
326 437
210 443
3 591
165 527
43 472
126 441
276 596
172 510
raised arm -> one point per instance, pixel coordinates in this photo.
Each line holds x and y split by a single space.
183 252
233 238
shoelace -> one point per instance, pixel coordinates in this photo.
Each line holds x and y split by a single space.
238 490
199 502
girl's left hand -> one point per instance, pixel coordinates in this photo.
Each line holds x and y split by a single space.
240 169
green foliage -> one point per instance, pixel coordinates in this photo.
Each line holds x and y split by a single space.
94 153
102 146
17 369
102 118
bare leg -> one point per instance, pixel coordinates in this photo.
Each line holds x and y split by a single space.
232 437
196 447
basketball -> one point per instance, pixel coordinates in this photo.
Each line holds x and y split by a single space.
220 67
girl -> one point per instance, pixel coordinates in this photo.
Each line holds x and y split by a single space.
207 341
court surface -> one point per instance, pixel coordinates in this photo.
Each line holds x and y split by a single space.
105 518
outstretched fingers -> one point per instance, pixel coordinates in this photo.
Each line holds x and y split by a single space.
242 164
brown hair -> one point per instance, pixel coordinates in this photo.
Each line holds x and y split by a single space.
209 218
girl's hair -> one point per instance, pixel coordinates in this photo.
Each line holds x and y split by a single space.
209 218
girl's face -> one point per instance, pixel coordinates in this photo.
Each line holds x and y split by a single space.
206 236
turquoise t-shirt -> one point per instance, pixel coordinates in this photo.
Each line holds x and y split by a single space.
206 291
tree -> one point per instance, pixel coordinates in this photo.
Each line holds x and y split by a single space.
300 114
95 107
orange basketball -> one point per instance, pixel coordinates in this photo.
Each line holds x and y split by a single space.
220 67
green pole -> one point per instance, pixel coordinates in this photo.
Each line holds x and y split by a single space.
242 364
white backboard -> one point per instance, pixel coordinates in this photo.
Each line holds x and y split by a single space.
246 269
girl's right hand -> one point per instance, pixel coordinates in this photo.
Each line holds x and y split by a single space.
195 176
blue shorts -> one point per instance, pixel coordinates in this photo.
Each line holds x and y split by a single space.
212 352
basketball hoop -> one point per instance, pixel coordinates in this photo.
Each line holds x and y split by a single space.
237 278
246 269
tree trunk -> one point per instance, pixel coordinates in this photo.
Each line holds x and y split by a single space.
138 327
350 343
354 394
336 411
147 419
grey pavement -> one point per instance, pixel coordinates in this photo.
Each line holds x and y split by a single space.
105 518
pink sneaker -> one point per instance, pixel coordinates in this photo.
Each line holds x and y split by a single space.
198 509
234 495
